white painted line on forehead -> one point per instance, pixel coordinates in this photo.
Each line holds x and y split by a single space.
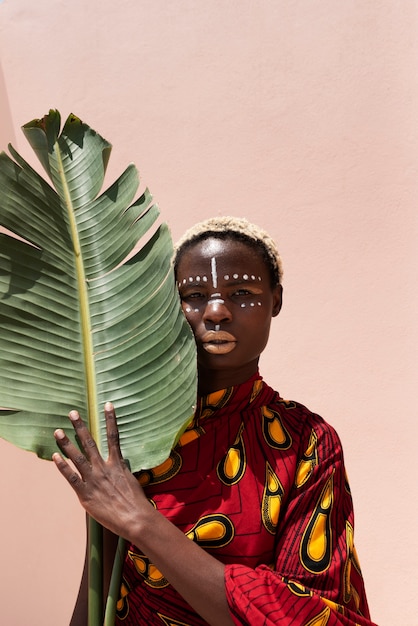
214 272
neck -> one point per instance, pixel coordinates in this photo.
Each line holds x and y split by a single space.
213 380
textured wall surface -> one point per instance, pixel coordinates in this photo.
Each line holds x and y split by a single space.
301 116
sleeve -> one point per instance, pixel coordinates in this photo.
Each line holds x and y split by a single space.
315 579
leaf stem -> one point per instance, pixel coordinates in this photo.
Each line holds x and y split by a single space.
85 322
95 573
95 534
115 583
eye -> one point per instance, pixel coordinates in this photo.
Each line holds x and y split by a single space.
192 295
242 292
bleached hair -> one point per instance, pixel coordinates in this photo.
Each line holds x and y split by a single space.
237 228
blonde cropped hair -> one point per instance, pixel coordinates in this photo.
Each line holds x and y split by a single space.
236 228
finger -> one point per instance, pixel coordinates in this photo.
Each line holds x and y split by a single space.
84 436
69 450
112 432
69 474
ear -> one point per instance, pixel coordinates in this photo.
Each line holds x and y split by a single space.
277 300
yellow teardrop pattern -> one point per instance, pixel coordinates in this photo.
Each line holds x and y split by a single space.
231 468
338 608
257 387
122 605
321 619
298 589
272 499
352 560
151 575
162 472
316 545
190 435
212 531
308 462
274 432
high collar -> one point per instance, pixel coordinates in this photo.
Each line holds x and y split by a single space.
253 391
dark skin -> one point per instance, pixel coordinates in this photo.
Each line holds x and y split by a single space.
244 309
230 314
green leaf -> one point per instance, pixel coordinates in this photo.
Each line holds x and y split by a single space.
80 325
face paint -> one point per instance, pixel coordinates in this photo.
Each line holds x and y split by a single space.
214 272
243 305
216 298
230 312
235 276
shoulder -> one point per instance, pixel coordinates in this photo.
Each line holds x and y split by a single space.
301 422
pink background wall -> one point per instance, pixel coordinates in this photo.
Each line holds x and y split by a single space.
301 116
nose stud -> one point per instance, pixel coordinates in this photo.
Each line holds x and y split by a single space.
217 327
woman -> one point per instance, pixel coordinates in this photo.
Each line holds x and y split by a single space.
257 483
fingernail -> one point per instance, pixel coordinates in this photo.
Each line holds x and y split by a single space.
74 416
59 434
108 406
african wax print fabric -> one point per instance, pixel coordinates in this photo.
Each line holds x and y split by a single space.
259 482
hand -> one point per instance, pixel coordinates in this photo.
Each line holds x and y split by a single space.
112 495
106 489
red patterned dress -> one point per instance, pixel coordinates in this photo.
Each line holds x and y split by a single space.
260 483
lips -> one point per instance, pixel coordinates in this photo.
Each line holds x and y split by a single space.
218 342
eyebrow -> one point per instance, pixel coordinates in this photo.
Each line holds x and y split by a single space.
241 281
193 283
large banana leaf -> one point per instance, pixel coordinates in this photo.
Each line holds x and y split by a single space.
78 326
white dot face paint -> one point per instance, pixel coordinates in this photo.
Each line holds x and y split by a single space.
192 279
214 276
234 288
189 309
225 290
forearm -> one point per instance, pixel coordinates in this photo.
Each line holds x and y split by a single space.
112 495
195 574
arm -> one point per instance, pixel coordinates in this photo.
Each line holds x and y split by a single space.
112 495
315 576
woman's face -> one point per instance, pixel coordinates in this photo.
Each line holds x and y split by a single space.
228 300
